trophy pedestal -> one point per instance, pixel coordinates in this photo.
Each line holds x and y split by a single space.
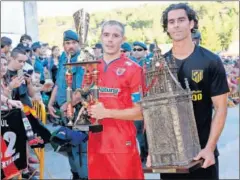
192 166
94 128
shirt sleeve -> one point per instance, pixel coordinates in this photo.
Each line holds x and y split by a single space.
136 84
218 79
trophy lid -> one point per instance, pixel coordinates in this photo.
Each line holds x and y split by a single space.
83 63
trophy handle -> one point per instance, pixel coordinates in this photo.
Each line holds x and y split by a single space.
79 115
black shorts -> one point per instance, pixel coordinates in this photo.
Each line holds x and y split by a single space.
211 172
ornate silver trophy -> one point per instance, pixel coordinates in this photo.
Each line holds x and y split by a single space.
170 124
89 91
81 21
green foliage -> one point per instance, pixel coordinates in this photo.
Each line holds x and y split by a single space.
218 24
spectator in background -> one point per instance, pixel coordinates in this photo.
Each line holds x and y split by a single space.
6 46
98 50
28 51
151 51
127 49
6 88
26 40
139 53
77 157
40 63
16 64
22 89
45 50
25 44
196 37
53 62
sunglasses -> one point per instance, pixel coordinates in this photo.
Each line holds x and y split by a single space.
123 51
138 49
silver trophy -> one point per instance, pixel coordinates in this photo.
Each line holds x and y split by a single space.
90 91
170 123
81 20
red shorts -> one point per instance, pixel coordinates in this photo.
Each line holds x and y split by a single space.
114 166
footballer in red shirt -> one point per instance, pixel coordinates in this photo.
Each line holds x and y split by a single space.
113 153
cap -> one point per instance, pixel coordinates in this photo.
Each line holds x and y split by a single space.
5 41
137 43
70 35
36 45
126 47
98 46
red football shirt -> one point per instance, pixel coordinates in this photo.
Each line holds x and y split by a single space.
120 83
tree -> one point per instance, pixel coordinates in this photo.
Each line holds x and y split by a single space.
218 24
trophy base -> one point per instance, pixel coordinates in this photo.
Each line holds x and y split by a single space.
192 166
94 128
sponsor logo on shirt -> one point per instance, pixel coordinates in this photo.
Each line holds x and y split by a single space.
128 143
197 75
197 95
113 91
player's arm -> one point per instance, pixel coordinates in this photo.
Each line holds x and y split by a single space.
126 114
98 111
134 113
219 92
220 106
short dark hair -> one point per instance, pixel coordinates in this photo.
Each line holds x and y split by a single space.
16 51
189 11
25 36
113 23
54 47
5 41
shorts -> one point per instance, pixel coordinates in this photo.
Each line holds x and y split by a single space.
115 166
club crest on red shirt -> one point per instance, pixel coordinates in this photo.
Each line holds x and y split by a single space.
120 71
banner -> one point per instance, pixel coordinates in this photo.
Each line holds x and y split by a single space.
13 143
